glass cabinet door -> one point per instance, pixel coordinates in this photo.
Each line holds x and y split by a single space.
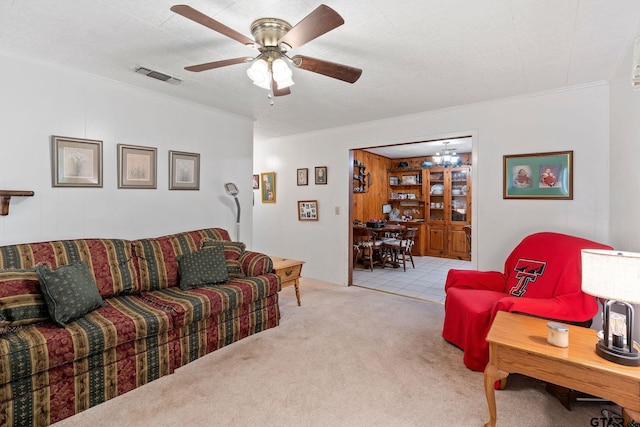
459 202
436 200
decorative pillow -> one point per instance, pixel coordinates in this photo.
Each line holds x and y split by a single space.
21 301
70 291
204 267
232 250
232 253
234 268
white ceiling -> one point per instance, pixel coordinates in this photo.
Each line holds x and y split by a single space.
423 148
417 55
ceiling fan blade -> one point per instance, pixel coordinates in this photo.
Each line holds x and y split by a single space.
279 92
322 20
330 69
199 17
217 64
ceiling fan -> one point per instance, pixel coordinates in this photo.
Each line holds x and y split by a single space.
275 37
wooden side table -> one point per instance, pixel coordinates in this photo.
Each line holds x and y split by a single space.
289 271
518 344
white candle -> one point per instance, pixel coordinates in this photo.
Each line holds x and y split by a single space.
557 334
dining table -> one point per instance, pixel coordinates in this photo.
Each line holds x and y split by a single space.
380 231
392 228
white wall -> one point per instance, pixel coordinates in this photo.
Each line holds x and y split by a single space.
625 172
576 119
39 100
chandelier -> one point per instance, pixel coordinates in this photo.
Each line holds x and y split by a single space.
448 157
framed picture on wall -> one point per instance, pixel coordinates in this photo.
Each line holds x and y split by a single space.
76 162
307 210
268 180
256 181
321 175
137 166
538 176
303 176
184 171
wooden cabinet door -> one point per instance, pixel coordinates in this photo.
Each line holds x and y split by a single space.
437 240
458 246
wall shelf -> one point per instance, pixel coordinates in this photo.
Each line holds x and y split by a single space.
5 199
361 179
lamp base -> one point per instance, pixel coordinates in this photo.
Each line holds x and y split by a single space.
621 357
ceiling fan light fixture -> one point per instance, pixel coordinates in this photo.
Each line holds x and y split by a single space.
282 73
285 47
259 74
274 37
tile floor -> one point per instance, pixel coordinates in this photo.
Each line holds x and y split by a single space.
426 281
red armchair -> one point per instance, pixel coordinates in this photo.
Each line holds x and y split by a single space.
542 277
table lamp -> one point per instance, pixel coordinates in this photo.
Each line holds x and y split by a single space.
614 276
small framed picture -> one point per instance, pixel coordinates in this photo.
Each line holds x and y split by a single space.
538 176
76 162
268 187
184 171
256 181
303 176
307 210
321 175
137 166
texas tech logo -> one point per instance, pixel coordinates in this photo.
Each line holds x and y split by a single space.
527 271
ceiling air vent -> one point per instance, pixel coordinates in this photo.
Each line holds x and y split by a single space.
158 75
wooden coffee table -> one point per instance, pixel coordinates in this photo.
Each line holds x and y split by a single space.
289 271
518 344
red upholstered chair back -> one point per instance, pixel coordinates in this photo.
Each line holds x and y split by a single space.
545 265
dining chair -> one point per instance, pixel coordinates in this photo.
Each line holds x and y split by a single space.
400 248
367 246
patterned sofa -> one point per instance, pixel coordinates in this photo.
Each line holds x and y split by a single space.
146 325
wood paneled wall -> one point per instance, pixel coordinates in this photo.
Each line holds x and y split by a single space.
368 205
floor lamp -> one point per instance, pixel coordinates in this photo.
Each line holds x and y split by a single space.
232 190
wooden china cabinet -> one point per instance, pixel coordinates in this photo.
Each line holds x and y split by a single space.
449 211
407 192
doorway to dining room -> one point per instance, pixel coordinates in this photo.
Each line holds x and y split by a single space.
402 184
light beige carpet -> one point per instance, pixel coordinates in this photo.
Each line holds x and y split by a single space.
348 356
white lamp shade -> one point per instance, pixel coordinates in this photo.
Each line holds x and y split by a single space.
259 74
281 73
613 275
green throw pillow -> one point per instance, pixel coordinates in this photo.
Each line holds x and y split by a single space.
204 267
232 253
70 291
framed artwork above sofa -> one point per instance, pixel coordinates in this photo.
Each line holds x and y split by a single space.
76 162
184 171
137 166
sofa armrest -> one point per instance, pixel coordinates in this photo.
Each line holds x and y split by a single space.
255 264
